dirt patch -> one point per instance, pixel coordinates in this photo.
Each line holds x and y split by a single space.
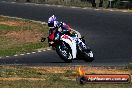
20 36
100 70
14 23
53 69
25 35
17 78
88 70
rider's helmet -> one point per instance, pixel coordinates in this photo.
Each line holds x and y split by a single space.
52 21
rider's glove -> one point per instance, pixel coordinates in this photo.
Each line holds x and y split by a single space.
72 32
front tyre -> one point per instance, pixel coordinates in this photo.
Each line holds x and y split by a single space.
64 52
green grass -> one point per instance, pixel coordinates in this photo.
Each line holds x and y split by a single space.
74 3
10 45
14 28
51 80
19 72
6 27
57 84
18 49
77 3
130 65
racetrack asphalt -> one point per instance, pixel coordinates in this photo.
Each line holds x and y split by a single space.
108 33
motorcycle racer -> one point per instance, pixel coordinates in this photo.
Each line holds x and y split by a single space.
67 42
56 29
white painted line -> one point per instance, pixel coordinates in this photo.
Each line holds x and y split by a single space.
28 53
25 19
124 11
0 57
47 4
59 6
33 52
111 10
21 54
53 5
43 23
7 56
16 55
44 50
39 51
85 8
48 49
73 7
96 9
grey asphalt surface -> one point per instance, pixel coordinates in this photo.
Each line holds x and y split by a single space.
109 34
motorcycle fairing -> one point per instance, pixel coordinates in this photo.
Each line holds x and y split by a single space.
71 42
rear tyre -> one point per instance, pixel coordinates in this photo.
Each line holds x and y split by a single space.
64 52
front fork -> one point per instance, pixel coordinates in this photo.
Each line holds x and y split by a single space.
63 46
81 44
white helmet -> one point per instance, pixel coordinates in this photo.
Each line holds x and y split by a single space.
52 21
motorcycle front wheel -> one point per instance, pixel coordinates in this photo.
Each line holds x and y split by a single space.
64 51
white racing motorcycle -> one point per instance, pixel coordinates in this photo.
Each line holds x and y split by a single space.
71 47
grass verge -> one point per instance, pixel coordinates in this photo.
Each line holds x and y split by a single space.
21 36
77 3
48 77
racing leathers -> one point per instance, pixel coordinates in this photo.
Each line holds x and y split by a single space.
56 32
